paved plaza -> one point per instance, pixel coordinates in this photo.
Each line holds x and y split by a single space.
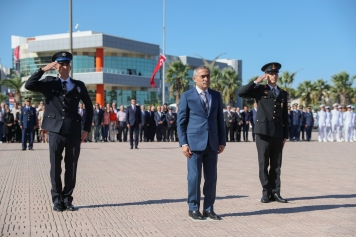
123 192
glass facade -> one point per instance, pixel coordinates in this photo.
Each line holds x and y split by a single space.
123 97
130 65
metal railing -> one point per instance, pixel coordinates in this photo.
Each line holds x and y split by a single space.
106 70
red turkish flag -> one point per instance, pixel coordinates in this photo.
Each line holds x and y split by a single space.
162 59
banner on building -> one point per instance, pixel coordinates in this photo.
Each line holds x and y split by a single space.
17 58
162 59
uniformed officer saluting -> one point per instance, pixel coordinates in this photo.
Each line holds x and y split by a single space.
62 120
271 129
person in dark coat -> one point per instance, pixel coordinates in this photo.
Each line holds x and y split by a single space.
97 121
160 119
253 114
62 120
133 119
229 118
309 123
238 124
8 125
143 128
28 123
171 119
271 129
246 118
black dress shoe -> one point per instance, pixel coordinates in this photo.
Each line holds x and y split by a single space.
24 149
265 199
58 207
131 147
69 207
196 215
136 147
278 198
211 215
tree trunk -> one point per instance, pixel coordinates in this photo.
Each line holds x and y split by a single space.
177 97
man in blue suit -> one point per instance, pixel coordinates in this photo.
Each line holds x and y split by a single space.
133 119
28 122
246 118
160 119
296 123
201 134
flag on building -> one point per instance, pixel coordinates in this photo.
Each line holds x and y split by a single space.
162 59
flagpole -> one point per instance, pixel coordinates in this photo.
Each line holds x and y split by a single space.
164 52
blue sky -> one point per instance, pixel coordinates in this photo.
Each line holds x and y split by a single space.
317 36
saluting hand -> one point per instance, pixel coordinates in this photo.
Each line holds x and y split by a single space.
50 66
261 78
186 151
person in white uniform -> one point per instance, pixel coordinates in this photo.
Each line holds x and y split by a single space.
335 127
328 124
353 123
341 124
348 116
321 117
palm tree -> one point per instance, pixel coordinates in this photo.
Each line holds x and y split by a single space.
321 87
305 91
3 97
177 75
216 79
232 84
252 79
342 89
286 82
14 83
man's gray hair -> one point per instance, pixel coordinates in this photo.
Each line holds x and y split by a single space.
199 68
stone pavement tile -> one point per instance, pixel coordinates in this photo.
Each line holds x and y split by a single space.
123 192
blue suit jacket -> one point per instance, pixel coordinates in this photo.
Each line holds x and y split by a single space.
133 116
195 127
253 115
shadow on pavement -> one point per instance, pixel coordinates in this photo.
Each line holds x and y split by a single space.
149 202
323 197
289 210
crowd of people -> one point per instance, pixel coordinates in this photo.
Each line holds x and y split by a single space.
159 123
109 123
338 124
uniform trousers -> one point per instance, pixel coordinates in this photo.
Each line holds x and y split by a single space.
207 160
322 133
295 132
329 136
335 132
302 131
57 143
341 133
308 131
238 133
269 154
27 135
348 132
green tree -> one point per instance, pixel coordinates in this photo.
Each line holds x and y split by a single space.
2 98
216 79
305 91
15 83
286 83
342 90
177 75
321 88
232 84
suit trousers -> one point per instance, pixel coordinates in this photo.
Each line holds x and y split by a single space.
269 154
97 132
57 143
122 129
134 128
295 134
142 133
27 135
159 131
245 128
207 159
253 132
238 133
169 133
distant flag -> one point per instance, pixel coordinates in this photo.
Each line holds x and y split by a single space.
162 59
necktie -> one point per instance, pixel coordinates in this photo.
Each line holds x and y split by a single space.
64 86
274 91
205 101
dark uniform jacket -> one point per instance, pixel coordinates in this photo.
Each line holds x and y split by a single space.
309 120
61 112
28 117
297 118
272 113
